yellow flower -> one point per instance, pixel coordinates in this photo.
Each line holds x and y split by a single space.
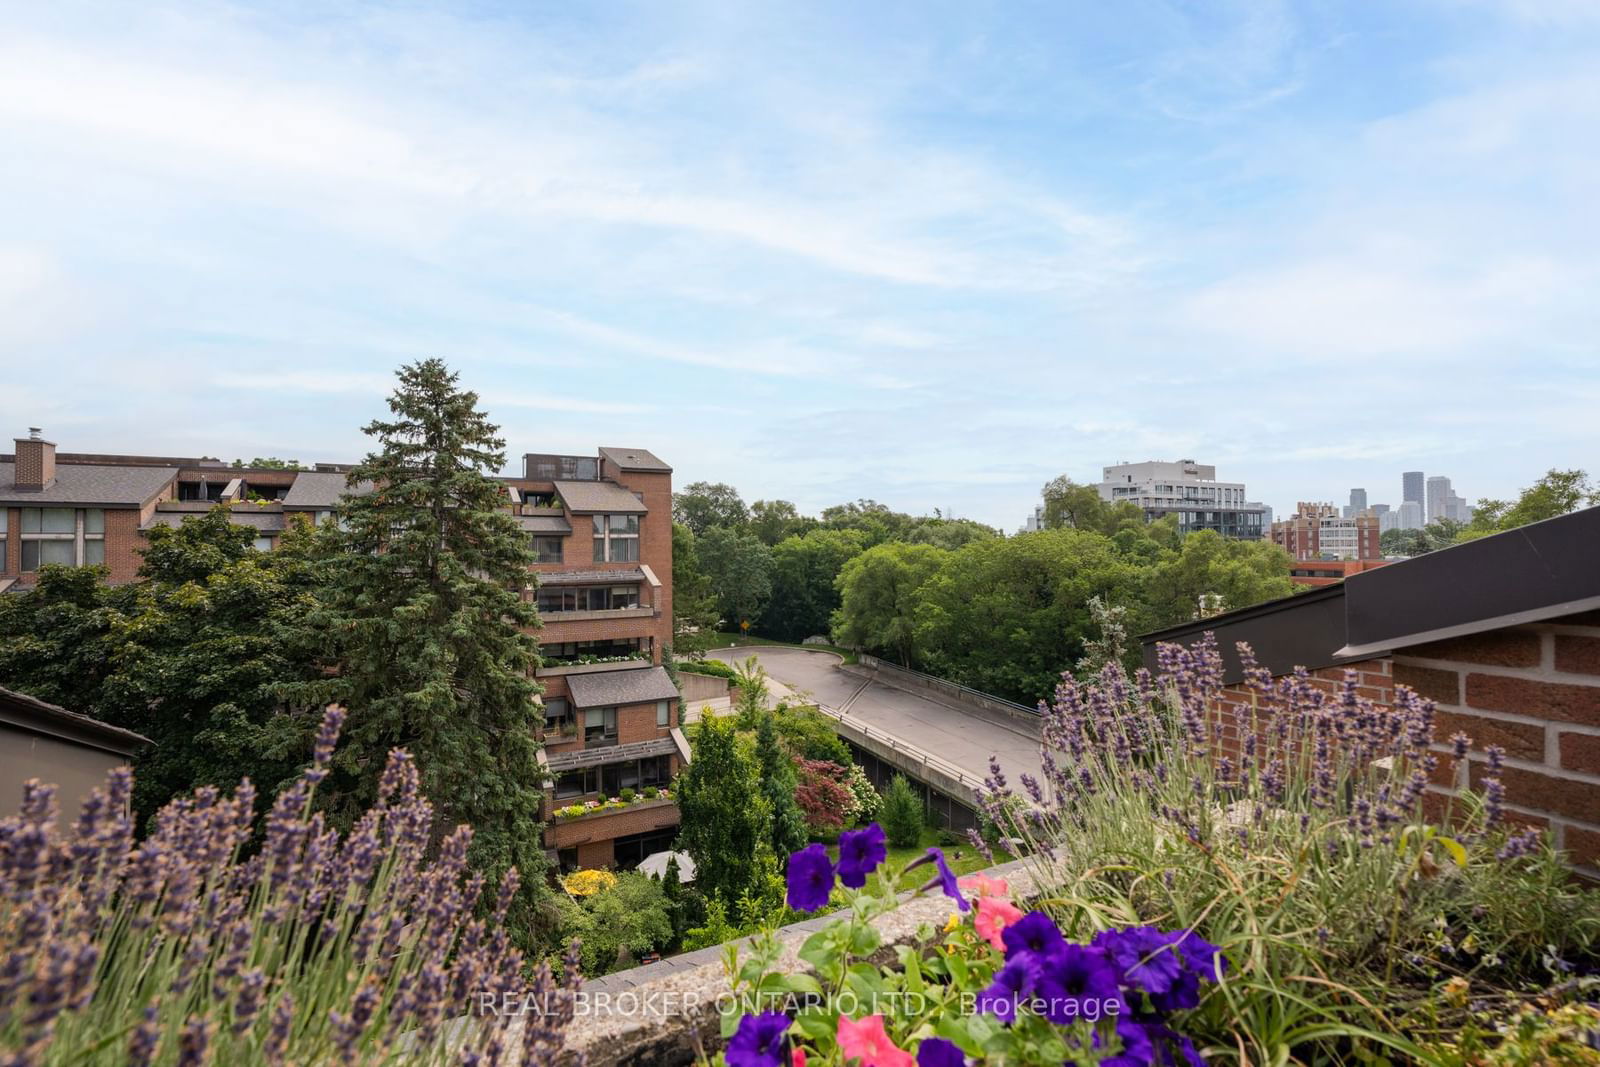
953 923
588 883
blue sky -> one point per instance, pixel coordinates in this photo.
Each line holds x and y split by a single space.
934 254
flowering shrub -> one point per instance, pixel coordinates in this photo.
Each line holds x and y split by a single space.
1291 831
864 799
320 948
997 983
823 794
616 803
588 882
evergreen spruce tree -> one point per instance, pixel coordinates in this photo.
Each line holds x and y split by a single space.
787 832
438 653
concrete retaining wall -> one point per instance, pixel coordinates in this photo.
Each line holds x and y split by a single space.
699 687
1002 712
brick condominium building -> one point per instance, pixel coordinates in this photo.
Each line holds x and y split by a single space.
600 527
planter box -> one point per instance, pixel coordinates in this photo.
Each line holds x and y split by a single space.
592 668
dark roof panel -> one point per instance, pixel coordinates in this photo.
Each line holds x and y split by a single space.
636 459
602 497
88 485
610 688
30 713
544 524
592 577
320 490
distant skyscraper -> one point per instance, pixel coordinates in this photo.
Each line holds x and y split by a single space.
1410 516
1411 488
1358 503
1439 495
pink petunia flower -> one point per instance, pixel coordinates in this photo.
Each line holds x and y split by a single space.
865 1040
994 915
986 886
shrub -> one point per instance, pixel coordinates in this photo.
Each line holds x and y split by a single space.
810 735
901 813
619 922
712 667
864 799
319 948
588 882
822 795
650 792
626 796
1297 842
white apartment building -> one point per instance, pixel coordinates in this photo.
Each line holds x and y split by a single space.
1188 490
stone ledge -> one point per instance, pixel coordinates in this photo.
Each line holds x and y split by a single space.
664 1014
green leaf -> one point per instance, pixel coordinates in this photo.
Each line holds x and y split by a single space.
1453 847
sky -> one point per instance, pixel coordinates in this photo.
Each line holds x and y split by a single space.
931 254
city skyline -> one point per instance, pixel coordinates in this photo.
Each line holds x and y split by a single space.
820 253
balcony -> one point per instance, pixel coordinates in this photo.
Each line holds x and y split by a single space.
638 661
643 611
603 822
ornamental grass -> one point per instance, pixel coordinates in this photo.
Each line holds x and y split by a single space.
1291 832
189 947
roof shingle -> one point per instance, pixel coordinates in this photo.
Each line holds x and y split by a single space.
611 688
603 497
88 485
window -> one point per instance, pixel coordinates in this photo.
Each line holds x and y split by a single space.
70 536
600 726
262 544
588 598
547 549
663 713
616 538
558 717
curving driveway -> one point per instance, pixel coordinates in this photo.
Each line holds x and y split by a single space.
960 735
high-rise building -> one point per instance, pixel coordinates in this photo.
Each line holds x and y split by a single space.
1411 487
1358 503
1409 516
1188 490
1439 494
1319 532
599 526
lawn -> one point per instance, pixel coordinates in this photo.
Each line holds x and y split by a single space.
962 858
744 641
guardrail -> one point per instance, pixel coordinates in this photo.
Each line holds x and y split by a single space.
951 689
920 757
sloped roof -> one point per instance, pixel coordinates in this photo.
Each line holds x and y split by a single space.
636 459
610 688
88 485
314 490
30 713
606 497
544 524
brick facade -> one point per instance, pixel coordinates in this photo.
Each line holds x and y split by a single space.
1534 691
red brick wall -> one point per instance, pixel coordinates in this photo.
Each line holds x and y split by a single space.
603 829
123 542
1535 692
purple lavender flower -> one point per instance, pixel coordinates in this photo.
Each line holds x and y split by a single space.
1034 933
192 1042
1496 758
277 1042
860 853
1011 985
1520 844
810 878
937 1052
945 879
145 1038
758 1042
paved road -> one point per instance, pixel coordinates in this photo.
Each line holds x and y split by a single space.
946 730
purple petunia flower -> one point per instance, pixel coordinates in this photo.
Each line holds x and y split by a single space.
758 1042
1034 933
1012 984
1072 976
937 1052
1137 1048
810 878
1200 957
860 853
945 879
1143 956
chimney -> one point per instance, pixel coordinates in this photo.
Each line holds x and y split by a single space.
36 462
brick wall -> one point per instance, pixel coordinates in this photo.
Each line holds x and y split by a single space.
1535 692
123 542
603 829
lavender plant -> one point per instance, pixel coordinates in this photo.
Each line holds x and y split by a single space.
1290 830
363 948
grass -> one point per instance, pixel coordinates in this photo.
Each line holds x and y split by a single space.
968 860
745 641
